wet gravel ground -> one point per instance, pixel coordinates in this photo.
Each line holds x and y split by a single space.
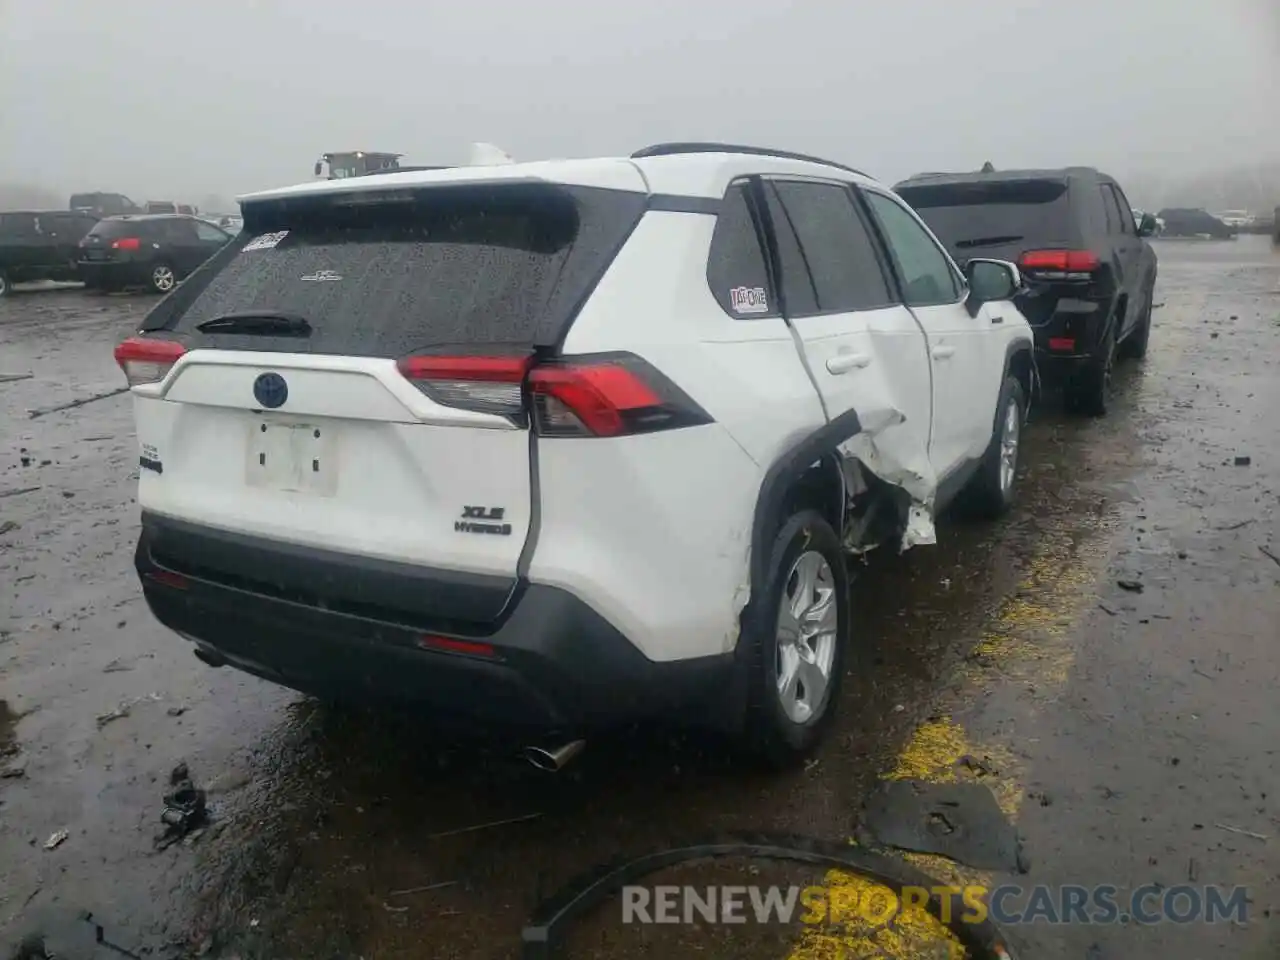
1131 733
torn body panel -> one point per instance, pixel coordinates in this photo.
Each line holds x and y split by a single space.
895 452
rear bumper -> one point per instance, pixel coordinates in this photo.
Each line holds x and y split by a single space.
1067 336
556 665
115 272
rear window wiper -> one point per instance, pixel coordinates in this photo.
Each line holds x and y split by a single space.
258 321
986 242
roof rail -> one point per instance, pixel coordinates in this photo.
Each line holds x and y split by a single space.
676 149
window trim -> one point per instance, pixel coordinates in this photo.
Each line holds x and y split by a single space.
1128 225
850 191
863 191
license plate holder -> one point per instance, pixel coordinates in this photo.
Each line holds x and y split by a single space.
292 457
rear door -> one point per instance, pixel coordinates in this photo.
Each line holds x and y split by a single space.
209 239
64 231
865 351
1127 252
373 408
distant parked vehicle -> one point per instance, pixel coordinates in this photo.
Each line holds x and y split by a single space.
40 245
103 204
155 251
1238 219
161 206
1089 272
1193 223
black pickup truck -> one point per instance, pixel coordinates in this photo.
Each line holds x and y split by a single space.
41 245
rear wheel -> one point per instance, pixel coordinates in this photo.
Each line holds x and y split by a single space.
1090 392
163 278
796 640
991 491
1134 346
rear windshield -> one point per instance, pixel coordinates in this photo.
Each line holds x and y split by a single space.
968 216
110 229
387 273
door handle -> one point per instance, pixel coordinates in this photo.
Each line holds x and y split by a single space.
844 362
943 353
997 319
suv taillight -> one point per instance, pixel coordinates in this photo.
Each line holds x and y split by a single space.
1059 264
598 395
147 361
126 243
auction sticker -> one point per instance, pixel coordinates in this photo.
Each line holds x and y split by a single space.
749 300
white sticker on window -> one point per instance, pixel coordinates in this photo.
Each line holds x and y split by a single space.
749 300
266 241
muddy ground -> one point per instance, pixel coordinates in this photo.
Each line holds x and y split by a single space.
1132 734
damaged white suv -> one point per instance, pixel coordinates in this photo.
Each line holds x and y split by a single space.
555 446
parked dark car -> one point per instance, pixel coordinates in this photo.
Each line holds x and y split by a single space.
1186 222
40 245
103 204
155 251
1088 272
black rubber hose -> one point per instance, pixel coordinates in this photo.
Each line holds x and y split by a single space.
544 933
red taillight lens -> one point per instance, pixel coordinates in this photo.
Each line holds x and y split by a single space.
1062 343
1060 264
147 361
608 396
126 243
482 384
604 395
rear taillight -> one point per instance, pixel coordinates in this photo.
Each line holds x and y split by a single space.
600 395
1059 264
147 361
482 384
126 243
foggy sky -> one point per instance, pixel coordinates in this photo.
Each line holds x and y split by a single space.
156 100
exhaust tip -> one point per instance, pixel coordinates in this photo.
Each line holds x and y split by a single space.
553 759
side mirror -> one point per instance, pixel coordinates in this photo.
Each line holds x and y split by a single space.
990 281
1147 227
319 168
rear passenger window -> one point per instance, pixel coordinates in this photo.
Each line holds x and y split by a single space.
735 265
801 299
842 261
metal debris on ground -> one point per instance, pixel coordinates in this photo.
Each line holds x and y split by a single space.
185 808
423 889
77 403
1133 586
1267 553
8 526
961 821
1243 461
56 839
19 491
124 709
1241 831
484 826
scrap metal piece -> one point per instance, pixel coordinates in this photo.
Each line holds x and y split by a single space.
961 821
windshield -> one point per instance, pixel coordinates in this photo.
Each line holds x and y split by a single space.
440 267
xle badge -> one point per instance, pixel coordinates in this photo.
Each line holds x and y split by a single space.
483 520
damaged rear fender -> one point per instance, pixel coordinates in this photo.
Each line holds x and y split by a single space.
878 441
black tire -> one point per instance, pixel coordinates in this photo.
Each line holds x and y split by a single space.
1089 393
993 489
1134 346
771 737
159 269
5 286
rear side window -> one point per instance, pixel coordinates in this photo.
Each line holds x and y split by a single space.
970 216
736 269
113 229
388 273
18 224
842 261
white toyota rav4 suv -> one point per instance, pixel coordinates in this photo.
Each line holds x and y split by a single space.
554 446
